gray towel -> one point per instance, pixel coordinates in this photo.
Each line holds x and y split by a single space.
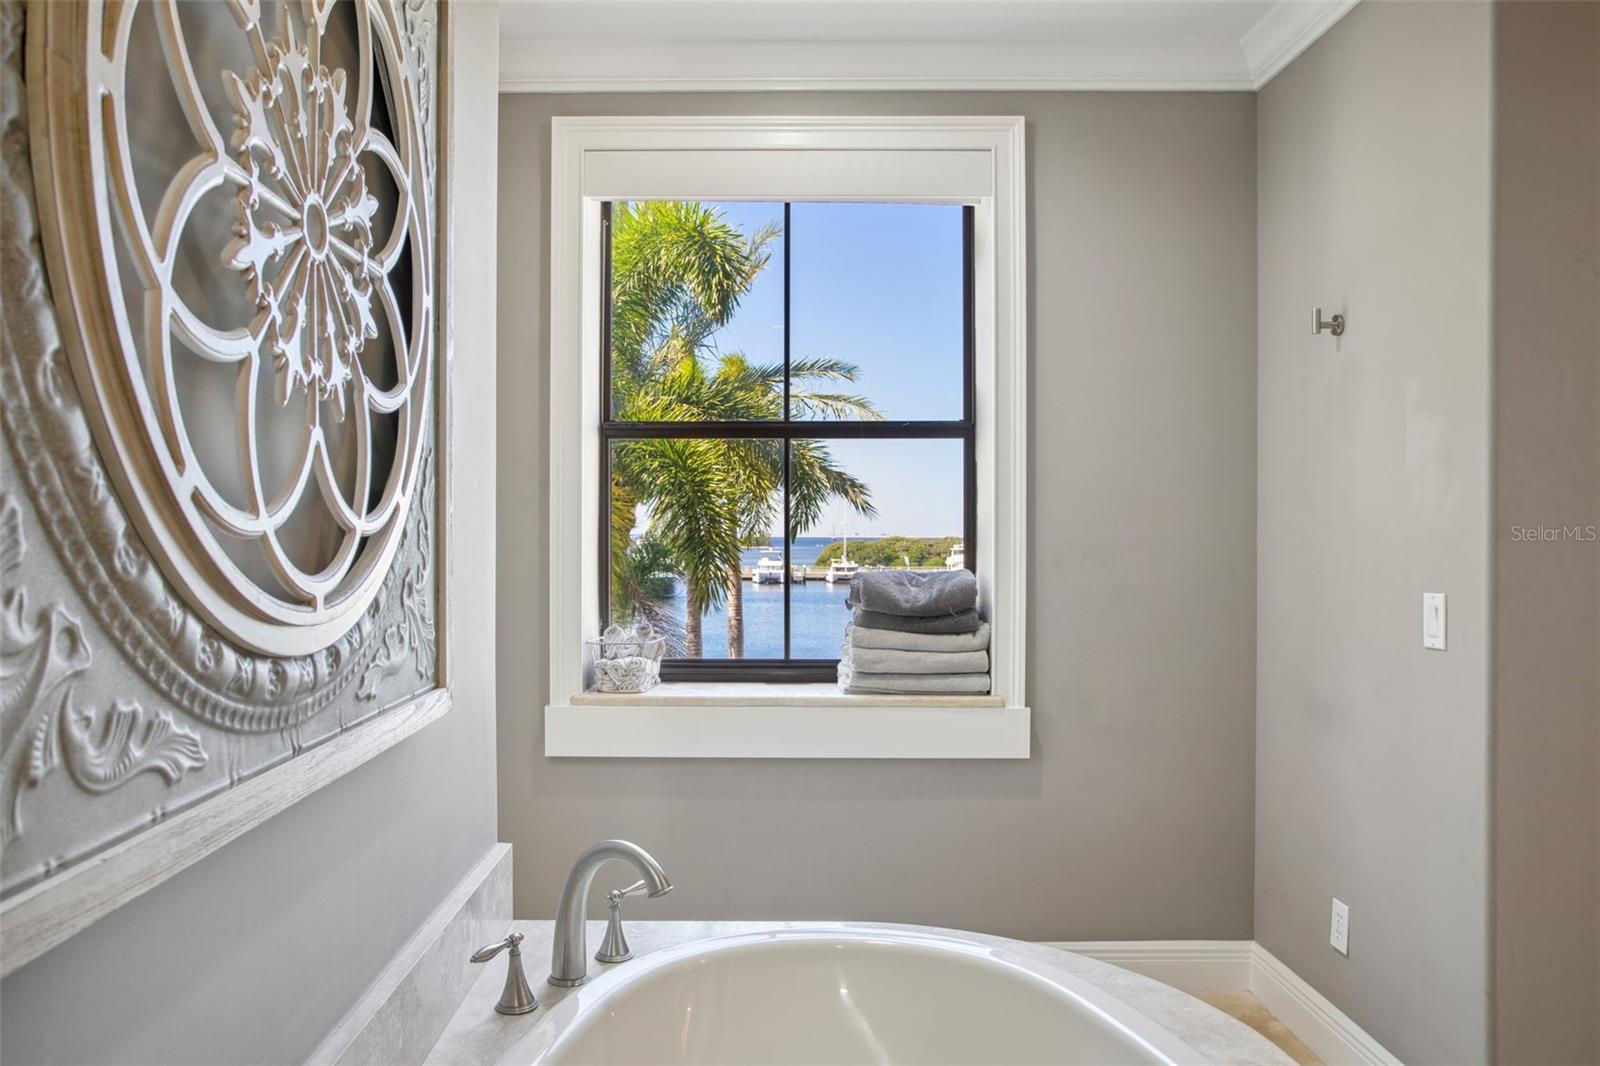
914 595
964 622
889 661
895 640
914 684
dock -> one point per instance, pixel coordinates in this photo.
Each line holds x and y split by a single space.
799 575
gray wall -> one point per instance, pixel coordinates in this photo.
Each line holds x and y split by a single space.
254 953
1547 592
1371 753
1133 818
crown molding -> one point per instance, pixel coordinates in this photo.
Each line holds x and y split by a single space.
1285 31
779 66
1196 65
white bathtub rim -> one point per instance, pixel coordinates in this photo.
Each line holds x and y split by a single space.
1066 970
592 997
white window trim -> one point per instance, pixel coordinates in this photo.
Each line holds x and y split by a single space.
974 160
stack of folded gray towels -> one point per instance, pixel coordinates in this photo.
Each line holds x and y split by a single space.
916 633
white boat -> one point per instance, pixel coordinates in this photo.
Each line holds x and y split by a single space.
957 559
842 570
769 570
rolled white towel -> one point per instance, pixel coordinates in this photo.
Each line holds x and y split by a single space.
889 661
895 640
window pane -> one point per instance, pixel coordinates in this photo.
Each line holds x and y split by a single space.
696 311
762 603
688 517
876 311
864 505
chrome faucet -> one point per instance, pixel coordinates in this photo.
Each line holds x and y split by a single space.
569 956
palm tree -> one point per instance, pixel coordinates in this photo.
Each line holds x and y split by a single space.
678 273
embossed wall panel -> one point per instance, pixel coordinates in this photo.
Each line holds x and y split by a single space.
219 387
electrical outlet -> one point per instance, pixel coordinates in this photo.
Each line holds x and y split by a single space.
1339 933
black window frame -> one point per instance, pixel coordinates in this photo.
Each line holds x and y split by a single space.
786 429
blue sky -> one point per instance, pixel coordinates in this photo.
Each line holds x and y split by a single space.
878 285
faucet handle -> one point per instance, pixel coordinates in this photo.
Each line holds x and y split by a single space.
489 951
516 997
617 895
614 948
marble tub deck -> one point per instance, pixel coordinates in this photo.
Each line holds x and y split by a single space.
477 1036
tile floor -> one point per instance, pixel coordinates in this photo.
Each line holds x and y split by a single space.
1248 1009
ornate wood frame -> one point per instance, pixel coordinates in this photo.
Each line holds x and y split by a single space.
347 642
303 207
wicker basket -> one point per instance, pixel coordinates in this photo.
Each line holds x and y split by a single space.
627 660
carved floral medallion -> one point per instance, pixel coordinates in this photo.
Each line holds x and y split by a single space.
277 522
216 491
312 278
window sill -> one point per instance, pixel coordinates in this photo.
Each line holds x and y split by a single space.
689 720
758 694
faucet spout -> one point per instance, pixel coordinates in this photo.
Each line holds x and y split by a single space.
569 955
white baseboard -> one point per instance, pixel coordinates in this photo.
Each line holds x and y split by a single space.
1246 966
413 999
1312 1017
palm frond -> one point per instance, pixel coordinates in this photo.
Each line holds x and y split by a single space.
832 405
671 261
822 368
814 479
691 512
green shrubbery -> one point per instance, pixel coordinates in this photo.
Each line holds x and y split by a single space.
892 551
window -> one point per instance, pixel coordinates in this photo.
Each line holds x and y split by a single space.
786 396
945 459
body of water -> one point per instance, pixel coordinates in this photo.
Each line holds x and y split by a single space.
818 611
804 552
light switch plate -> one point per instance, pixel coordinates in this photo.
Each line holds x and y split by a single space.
1339 932
1433 620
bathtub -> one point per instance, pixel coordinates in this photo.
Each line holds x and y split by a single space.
820 994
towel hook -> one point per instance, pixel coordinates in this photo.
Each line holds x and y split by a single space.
1334 325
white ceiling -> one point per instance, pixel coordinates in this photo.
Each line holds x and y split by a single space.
706 45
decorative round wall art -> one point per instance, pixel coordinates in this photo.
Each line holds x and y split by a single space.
236 206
